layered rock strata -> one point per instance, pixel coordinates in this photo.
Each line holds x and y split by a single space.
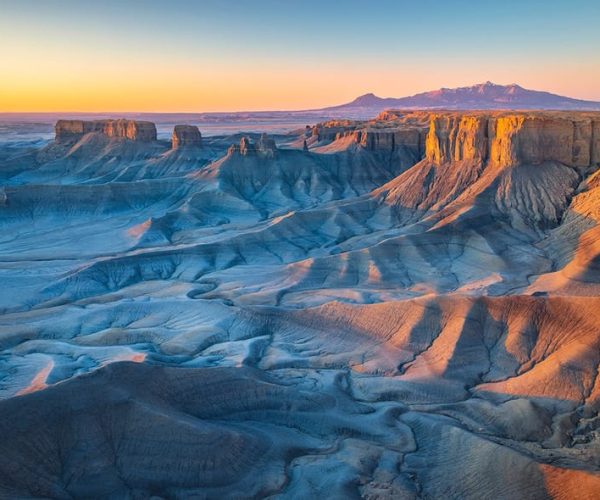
515 138
374 139
68 130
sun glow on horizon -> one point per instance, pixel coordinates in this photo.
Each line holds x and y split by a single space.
117 57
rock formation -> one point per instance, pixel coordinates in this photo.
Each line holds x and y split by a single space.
373 138
332 130
265 146
390 140
69 130
186 135
514 138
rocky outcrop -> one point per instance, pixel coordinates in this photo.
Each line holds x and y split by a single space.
514 138
246 147
265 146
68 130
186 135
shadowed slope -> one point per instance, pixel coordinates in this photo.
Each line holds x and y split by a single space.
396 310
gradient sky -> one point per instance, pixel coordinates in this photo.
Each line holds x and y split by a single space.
221 55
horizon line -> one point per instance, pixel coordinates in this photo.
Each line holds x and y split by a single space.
595 101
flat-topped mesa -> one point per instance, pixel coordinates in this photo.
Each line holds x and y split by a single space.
525 139
390 140
265 146
507 139
68 130
131 129
186 136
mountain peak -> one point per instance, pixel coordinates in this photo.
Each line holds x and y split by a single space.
486 95
366 100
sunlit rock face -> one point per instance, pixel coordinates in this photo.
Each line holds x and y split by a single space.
74 129
512 138
505 138
538 139
390 141
456 138
404 307
186 135
67 130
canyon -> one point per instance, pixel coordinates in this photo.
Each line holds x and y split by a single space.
398 307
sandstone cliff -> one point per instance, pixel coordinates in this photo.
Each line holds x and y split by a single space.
67 130
373 137
515 138
390 140
186 135
456 138
332 130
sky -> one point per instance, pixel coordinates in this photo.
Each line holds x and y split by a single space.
235 55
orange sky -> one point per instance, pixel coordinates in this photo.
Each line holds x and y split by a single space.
97 85
117 56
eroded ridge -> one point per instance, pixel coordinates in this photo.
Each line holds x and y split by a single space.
403 307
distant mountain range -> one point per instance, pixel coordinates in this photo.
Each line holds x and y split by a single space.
486 95
482 96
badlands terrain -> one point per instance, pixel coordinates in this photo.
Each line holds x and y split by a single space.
404 307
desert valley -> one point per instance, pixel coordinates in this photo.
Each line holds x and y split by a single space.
300 250
364 307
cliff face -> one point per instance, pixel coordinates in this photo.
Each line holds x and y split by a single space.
390 140
455 138
70 129
514 138
374 139
130 129
186 135
67 130
330 131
